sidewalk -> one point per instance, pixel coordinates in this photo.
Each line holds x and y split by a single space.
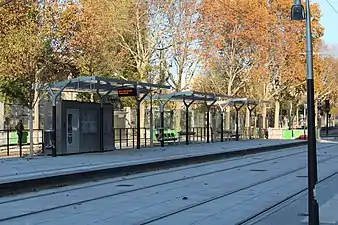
16 170
327 212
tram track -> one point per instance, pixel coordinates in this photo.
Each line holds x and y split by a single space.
166 172
14 187
280 204
159 184
228 193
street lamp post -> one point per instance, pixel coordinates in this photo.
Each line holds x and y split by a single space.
297 13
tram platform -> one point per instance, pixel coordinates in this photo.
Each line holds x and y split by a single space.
16 170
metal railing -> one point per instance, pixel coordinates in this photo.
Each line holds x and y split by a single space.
124 138
10 145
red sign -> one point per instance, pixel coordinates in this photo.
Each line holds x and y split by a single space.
127 92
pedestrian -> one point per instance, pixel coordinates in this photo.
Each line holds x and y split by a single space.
19 130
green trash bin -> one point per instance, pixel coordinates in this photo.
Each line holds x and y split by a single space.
25 137
13 138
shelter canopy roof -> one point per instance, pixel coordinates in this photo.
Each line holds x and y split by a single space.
102 85
189 96
240 101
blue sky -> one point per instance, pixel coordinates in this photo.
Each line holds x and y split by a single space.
329 20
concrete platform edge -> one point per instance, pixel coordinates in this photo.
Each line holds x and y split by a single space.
122 170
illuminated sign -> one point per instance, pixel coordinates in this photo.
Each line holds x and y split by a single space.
127 92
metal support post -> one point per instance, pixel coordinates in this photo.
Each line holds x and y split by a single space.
162 125
222 126
208 124
187 105
312 155
250 115
7 132
54 128
151 123
187 125
208 119
54 99
237 108
101 126
327 124
138 124
113 126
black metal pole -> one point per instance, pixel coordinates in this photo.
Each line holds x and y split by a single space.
113 126
208 123
327 124
237 133
42 142
222 126
101 128
54 130
138 125
7 132
20 144
162 126
250 114
187 124
312 154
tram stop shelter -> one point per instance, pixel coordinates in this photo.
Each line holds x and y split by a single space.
188 98
238 104
70 118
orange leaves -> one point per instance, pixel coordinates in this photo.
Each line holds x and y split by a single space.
251 44
326 75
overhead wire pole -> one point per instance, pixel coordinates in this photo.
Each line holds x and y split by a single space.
297 13
312 154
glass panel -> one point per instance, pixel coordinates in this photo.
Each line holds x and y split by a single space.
70 128
89 121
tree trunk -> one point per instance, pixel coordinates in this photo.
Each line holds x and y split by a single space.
277 108
151 122
316 114
142 119
247 122
178 110
31 143
36 124
297 116
2 116
193 112
264 125
228 118
290 116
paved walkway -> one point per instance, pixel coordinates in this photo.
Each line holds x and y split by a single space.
14 169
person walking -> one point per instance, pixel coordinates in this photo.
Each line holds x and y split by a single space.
19 130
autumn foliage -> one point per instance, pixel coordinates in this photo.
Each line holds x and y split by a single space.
246 48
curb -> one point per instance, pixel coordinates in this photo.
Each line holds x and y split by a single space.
52 181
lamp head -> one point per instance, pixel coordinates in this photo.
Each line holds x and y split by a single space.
297 11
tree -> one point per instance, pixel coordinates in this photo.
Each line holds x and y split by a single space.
181 33
28 57
230 42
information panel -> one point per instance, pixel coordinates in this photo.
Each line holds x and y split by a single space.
127 92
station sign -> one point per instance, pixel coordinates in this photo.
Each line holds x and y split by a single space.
127 92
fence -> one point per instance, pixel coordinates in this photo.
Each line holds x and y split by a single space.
9 142
124 138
